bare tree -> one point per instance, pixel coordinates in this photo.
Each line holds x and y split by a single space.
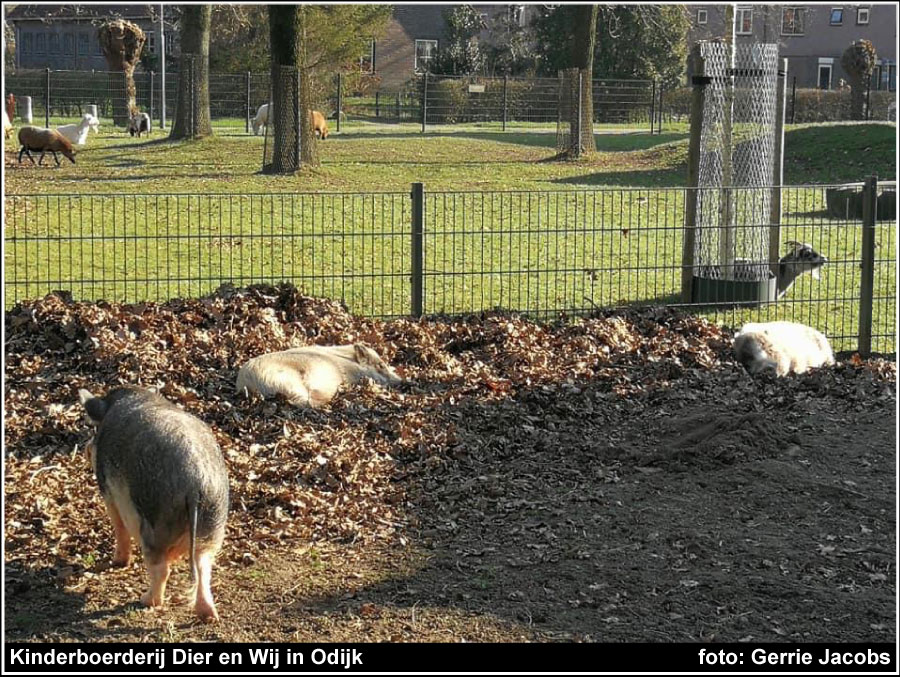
192 119
122 43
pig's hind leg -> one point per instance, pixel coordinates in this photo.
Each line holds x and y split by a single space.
204 606
123 539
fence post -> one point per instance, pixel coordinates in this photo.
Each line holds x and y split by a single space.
418 250
793 99
659 121
698 97
47 100
424 100
505 94
151 97
778 169
376 103
652 106
247 121
398 107
867 282
340 87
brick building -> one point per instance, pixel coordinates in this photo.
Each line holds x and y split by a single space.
811 37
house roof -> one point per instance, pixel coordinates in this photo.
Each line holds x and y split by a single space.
82 12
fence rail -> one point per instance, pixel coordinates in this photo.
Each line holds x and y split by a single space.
543 253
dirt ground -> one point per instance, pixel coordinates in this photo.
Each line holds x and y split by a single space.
610 479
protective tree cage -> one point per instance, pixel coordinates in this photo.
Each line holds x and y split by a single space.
735 170
571 123
284 137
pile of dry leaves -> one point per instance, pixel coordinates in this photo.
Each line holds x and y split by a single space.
486 385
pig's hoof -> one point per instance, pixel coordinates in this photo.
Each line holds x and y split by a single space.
119 562
206 612
149 600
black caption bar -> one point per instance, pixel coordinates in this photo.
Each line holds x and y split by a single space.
266 658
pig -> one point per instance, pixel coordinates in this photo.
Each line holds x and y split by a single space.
310 376
164 481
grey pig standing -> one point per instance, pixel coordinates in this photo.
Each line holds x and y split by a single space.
165 484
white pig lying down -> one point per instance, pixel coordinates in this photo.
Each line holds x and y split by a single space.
781 348
310 376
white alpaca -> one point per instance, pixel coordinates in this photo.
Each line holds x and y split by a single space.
78 134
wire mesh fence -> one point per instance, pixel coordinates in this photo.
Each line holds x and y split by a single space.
543 253
234 99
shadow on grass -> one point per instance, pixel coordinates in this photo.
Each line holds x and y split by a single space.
606 141
631 179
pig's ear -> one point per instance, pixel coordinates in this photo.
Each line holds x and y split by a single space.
94 406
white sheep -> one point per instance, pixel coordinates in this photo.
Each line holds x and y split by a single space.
781 348
261 119
310 376
78 134
44 140
139 122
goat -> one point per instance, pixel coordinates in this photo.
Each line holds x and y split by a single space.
310 376
781 348
139 122
78 134
802 259
43 140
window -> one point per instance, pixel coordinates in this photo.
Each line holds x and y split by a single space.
792 21
83 44
702 17
151 42
53 46
40 43
69 44
744 20
170 43
516 15
862 16
837 16
97 49
425 51
27 43
367 59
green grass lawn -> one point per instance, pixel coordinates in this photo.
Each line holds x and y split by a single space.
504 227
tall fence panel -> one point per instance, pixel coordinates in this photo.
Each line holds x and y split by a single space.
544 253
353 247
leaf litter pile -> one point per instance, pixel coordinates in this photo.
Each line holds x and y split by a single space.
515 455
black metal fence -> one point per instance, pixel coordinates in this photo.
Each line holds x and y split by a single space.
543 253
59 97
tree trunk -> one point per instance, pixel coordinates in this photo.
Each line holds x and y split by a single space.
584 35
192 118
122 43
857 96
293 140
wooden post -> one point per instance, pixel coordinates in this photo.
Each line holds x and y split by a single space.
652 106
505 90
777 169
340 86
698 98
867 281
